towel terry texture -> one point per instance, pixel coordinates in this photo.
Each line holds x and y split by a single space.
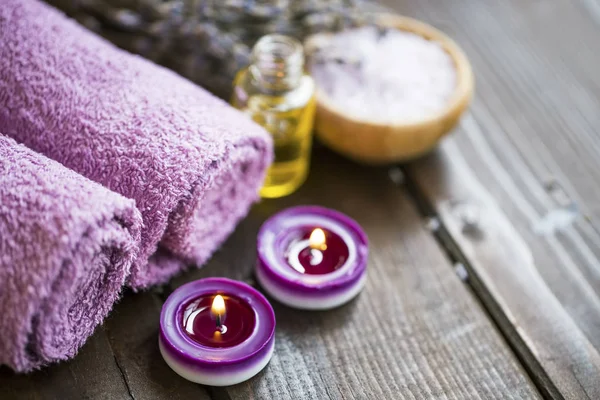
191 162
66 246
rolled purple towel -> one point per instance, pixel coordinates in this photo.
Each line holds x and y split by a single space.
192 163
66 247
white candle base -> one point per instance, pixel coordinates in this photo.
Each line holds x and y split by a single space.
305 301
216 378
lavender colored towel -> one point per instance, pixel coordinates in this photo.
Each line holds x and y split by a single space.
66 247
192 163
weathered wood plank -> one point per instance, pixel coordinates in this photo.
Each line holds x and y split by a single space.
415 332
133 333
93 374
502 260
532 141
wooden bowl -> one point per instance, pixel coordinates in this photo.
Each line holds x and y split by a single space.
376 143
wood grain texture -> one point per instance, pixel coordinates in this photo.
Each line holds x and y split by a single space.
133 334
93 374
531 144
504 263
415 332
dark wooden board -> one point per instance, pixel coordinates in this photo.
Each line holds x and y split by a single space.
414 332
92 374
528 154
133 334
508 276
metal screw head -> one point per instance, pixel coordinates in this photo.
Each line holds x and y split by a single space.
432 224
396 175
469 215
461 271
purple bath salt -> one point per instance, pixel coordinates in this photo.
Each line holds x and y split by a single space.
384 75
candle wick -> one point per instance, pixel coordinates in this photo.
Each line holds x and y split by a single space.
220 326
316 257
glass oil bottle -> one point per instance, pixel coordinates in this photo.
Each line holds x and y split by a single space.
277 94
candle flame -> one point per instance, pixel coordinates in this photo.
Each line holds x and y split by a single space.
218 306
317 239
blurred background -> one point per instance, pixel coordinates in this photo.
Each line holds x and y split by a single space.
208 41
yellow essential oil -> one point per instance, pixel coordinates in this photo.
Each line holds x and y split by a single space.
276 93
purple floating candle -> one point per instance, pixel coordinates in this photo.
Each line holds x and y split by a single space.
217 331
312 257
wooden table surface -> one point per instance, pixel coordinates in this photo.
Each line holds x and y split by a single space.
484 270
